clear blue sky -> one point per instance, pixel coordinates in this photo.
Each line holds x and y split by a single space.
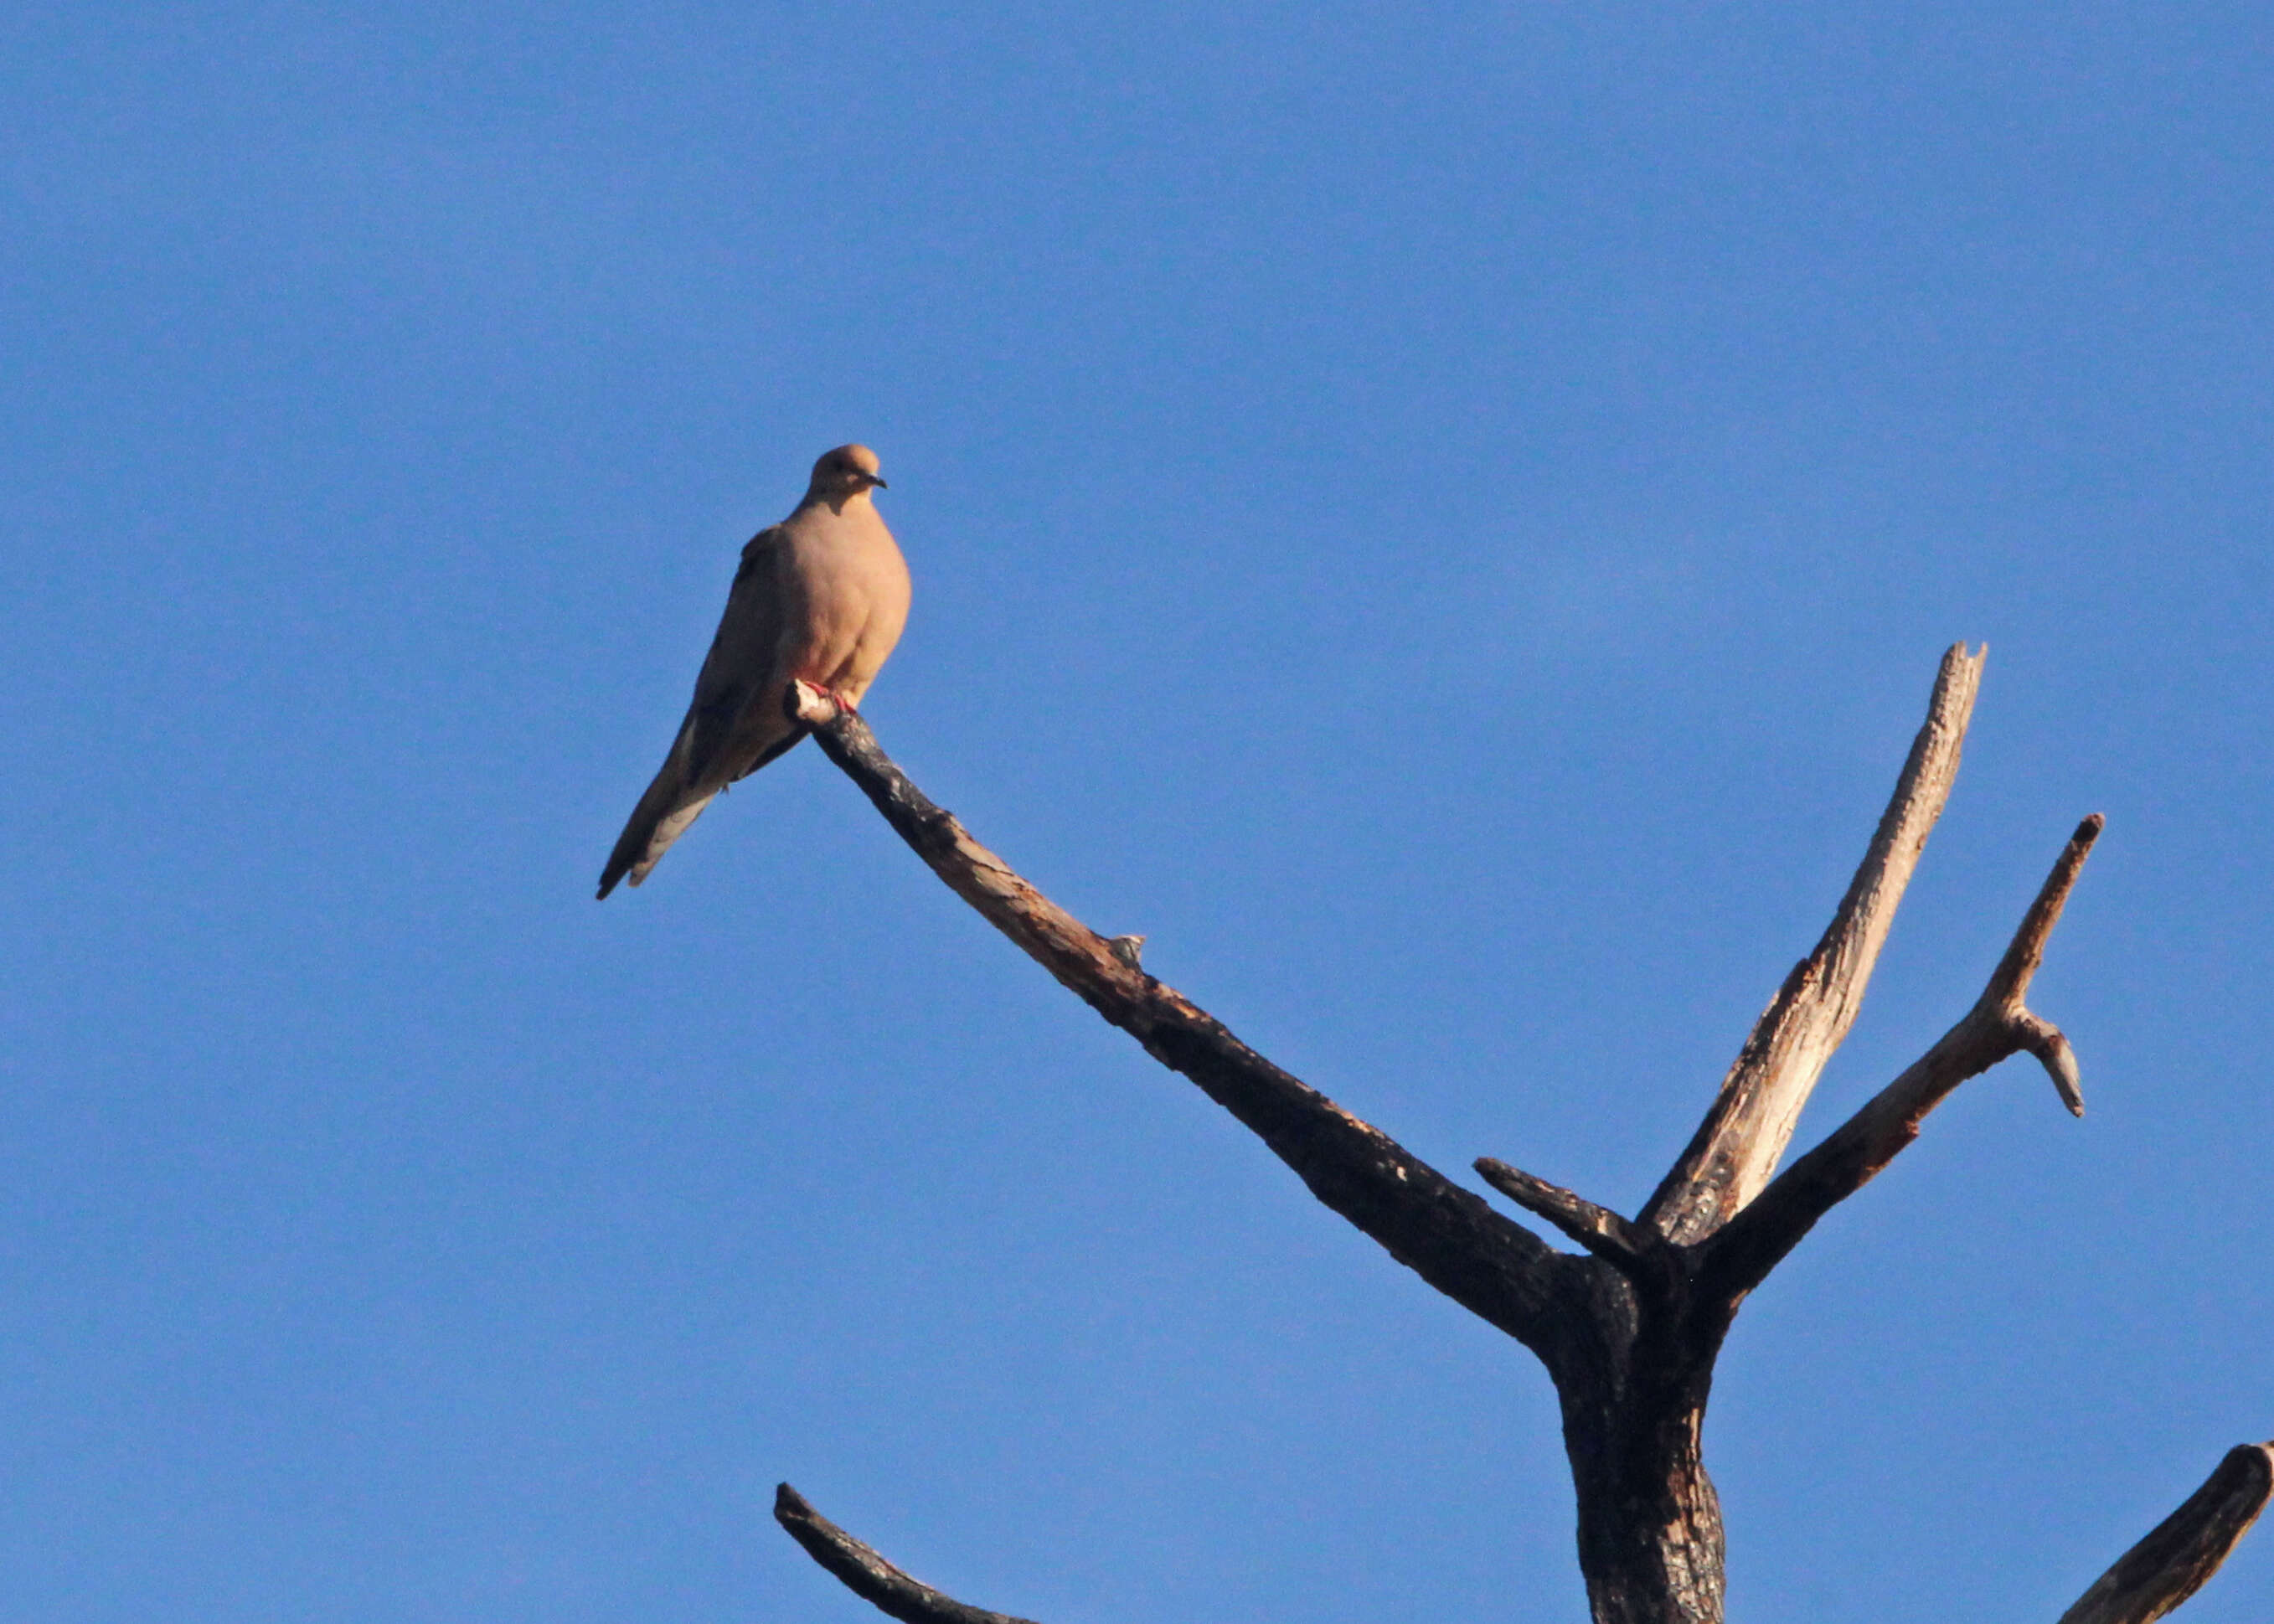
1443 518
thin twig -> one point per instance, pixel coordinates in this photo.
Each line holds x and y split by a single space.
1744 1134
869 1575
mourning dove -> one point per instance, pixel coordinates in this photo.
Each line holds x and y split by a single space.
821 596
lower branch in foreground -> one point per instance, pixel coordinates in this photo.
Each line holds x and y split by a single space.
869 1575
2186 1548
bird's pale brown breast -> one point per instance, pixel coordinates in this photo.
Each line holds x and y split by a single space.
845 588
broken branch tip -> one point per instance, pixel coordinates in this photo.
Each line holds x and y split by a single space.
809 704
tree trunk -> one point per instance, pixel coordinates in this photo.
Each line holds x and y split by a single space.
1650 1541
1633 1382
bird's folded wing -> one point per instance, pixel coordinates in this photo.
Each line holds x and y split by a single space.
739 667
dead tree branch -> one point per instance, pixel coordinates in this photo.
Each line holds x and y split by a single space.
2183 1551
869 1575
1630 1332
1744 1134
1451 1236
2001 1024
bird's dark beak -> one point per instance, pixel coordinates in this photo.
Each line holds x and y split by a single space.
879 484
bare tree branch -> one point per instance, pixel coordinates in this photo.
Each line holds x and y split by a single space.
1745 1249
1629 1334
869 1575
1600 1230
1449 1235
2183 1551
1744 1134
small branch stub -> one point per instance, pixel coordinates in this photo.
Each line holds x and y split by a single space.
1600 1230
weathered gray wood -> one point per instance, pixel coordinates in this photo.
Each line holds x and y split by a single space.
1744 1134
2183 1551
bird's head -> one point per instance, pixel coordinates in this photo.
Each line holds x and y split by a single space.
842 474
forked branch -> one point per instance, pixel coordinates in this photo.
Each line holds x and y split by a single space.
2001 1024
2186 1548
1449 1235
869 1575
1744 1134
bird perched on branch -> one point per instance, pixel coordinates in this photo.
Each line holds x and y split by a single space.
821 596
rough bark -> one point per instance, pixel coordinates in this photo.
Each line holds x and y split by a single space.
1632 1389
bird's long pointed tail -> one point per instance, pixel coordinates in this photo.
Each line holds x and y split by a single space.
662 816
